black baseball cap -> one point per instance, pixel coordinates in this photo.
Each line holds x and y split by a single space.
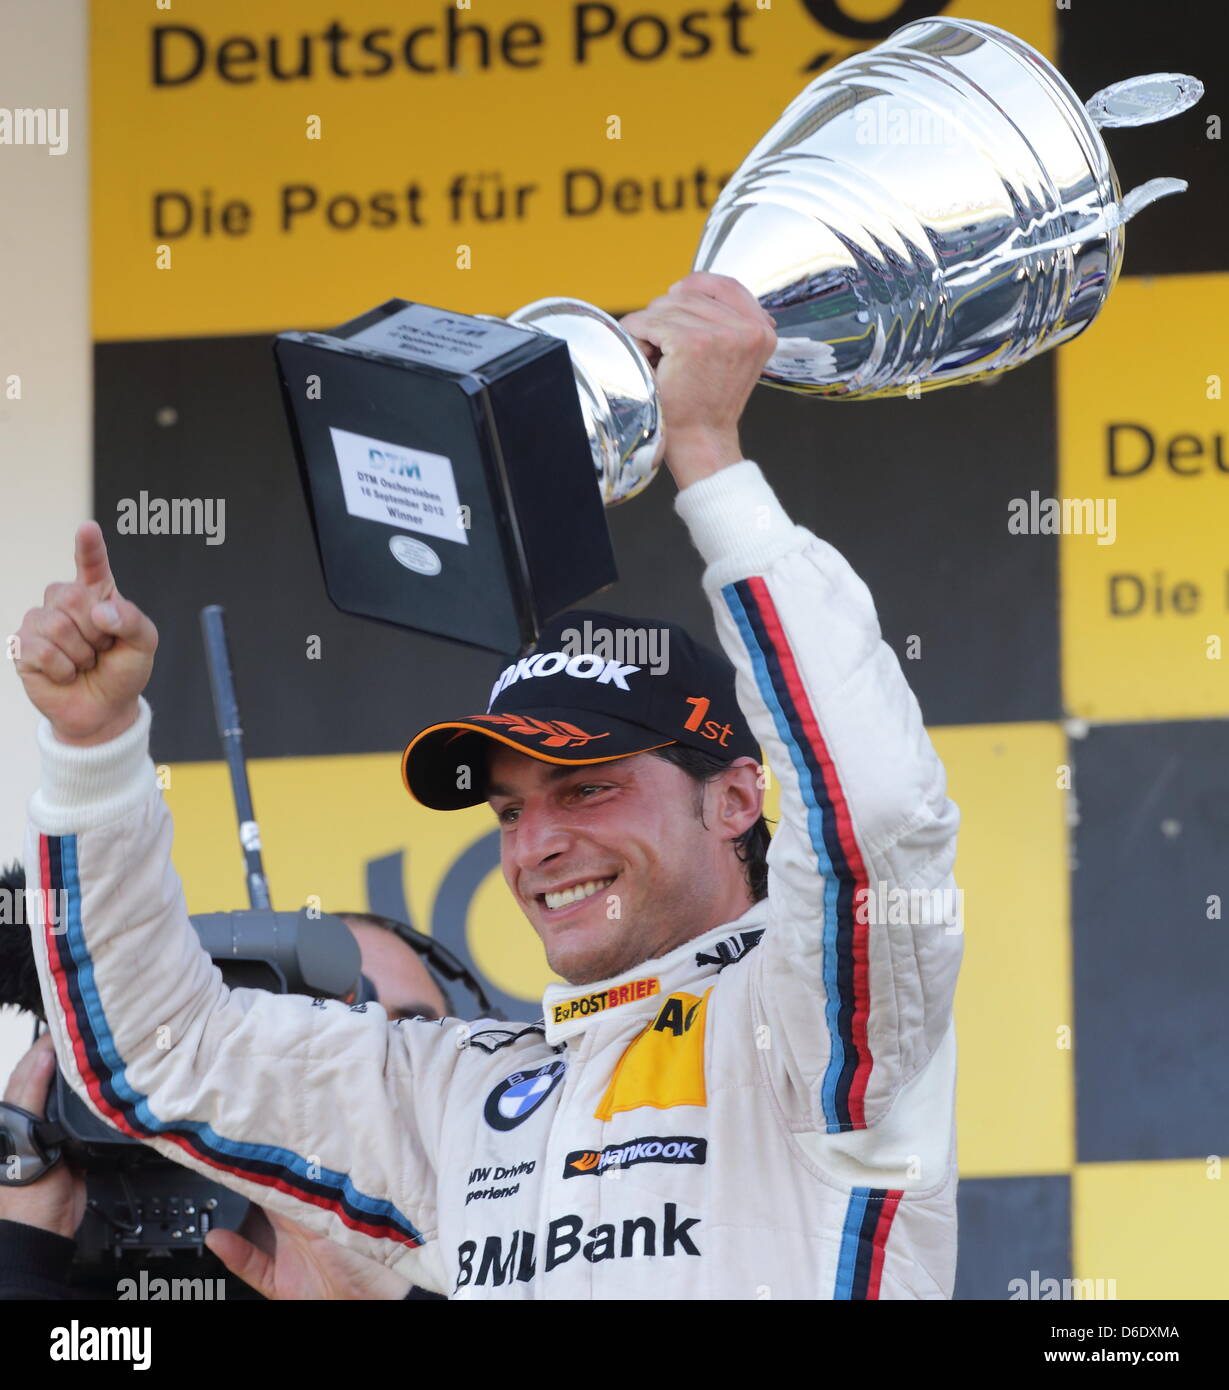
596 686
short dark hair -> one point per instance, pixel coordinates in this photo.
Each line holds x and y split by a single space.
751 847
397 929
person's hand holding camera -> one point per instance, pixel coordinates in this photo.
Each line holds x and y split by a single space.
56 1202
285 1261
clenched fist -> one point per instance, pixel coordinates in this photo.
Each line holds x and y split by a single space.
707 340
87 653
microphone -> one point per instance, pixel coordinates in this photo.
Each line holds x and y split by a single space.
19 986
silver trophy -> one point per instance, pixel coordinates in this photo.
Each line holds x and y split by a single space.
930 212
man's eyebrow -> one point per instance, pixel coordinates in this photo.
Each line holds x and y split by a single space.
555 772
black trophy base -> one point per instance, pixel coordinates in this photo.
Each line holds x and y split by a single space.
448 473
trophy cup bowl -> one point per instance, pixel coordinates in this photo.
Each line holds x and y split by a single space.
931 212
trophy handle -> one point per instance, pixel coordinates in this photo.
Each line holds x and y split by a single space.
1153 96
1147 194
618 396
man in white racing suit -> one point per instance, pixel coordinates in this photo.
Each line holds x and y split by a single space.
733 1095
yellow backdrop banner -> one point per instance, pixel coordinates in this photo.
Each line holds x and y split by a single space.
1145 599
266 167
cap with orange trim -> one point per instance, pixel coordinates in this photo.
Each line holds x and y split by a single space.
597 686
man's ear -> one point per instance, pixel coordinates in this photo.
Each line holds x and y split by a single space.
742 797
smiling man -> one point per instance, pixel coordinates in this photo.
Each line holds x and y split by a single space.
614 842
632 847
745 1087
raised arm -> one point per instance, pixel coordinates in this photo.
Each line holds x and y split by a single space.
299 1104
859 964
857 970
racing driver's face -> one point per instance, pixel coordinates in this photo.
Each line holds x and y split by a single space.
613 862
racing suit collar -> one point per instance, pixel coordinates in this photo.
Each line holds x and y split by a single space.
569 1009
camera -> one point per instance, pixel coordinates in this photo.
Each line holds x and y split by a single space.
142 1206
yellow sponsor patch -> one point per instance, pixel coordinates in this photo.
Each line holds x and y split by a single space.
664 1065
586 1004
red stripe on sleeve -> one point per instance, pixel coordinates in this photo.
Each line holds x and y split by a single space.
844 828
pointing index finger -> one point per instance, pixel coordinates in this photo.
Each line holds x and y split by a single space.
93 566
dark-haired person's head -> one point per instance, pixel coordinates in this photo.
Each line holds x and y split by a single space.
403 984
628 790
622 862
